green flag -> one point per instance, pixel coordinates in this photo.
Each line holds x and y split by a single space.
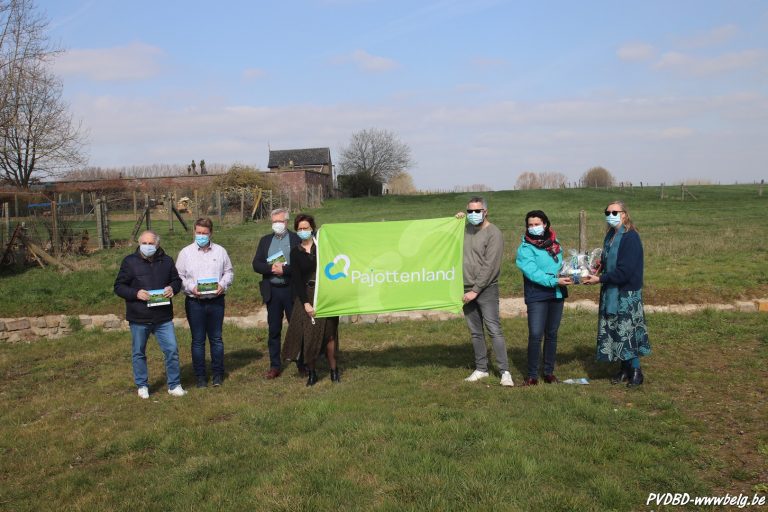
379 267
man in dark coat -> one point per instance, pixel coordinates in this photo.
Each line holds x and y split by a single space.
272 261
147 280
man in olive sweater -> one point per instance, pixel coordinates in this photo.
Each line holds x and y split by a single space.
483 250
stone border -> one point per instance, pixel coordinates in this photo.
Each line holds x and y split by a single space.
27 329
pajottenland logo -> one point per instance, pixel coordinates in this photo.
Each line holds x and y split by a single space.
344 271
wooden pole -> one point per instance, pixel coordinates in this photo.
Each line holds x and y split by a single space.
105 222
7 219
242 205
661 194
55 226
760 190
218 203
582 231
99 224
82 202
170 212
146 209
135 204
197 206
16 205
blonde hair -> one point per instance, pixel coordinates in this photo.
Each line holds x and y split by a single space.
628 224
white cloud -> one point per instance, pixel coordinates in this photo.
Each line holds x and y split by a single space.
489 143
488 63
136 61
713 37
676 132
633 52
696 65
367 62
253 73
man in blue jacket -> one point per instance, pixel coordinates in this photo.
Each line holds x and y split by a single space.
273 262
147 280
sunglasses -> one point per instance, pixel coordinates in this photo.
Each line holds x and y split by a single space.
614 213
475 211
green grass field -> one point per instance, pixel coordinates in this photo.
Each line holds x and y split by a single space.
401 432
708 250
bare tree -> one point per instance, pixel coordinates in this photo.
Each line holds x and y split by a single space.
402 184
598 177
39 140
527 181
552 179
23 46
377 154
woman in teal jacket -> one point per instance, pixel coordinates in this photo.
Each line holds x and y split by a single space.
539 257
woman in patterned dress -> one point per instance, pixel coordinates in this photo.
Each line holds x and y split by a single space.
307 334
621 331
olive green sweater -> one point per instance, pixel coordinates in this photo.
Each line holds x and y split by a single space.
483 250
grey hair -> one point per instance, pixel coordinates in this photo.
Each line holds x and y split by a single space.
153 233
478 199
278 211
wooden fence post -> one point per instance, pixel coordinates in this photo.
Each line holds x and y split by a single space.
16 205
135 204
146 209
170 212
55 226
760 190
7 219
682 192
242 205
197 206
99 224
582 231
218 203
107 242
661 194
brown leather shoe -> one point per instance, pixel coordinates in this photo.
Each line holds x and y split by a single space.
551 379
273 373
530 381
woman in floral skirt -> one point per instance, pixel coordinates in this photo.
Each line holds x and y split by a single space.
621 332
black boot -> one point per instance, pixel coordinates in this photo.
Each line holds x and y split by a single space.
335 376
312 379
636 379
624 374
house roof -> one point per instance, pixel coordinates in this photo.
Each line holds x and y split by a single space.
299 157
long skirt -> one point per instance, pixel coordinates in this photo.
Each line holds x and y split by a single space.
622 336
305 337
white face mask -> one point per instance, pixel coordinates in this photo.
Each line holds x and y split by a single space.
278 227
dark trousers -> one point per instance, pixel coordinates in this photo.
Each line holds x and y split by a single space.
543 320
281 302
206 317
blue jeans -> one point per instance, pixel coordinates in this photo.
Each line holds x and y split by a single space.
543 320
206 316
166 338
484 312
281 302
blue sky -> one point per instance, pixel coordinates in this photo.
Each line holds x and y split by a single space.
480 90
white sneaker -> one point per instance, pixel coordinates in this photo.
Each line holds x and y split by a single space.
476 376
506 379
143 392
177 391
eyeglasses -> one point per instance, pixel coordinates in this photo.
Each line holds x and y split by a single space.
475 211
614 213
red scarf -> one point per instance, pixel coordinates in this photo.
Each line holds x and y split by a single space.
551 245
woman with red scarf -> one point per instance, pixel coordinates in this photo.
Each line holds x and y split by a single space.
540 257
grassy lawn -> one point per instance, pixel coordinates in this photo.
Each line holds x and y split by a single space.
401 432
711 250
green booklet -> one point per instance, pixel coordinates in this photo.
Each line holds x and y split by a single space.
278 257
207 286
156 298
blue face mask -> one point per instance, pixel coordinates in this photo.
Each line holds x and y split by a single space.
475 218
304 234
202 240
536 230
148 250
613 220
